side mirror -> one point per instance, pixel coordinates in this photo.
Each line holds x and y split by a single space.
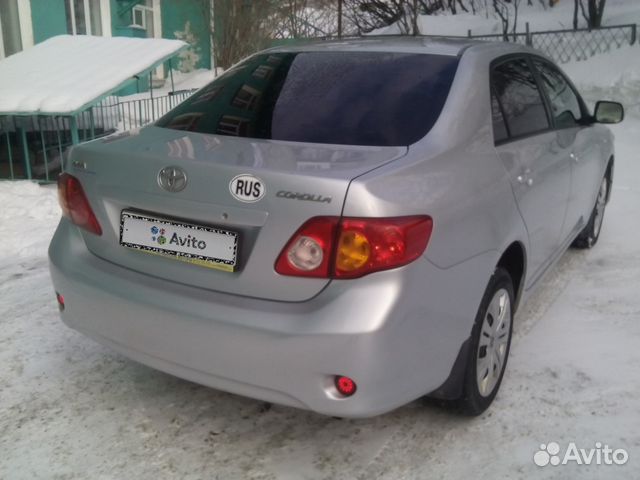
609 112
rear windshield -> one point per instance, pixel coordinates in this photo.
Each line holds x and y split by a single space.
347 98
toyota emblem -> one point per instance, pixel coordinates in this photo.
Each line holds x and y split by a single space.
172 179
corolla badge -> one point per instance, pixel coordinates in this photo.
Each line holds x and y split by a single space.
247 188
172 179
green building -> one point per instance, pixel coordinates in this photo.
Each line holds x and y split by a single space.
24 23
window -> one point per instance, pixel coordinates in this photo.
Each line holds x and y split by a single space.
10 35
565 106
263 71
208 94
95 17
232 126
185 122
84 17
500 132
347 98
142 16
518 94
139 17
246 98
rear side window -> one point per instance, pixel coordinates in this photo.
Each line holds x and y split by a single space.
565 106
516 90
349 98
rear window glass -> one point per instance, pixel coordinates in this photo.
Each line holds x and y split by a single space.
348 98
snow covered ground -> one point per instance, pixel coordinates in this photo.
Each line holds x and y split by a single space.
540 16
72 409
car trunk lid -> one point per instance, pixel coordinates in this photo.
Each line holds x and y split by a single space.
300 181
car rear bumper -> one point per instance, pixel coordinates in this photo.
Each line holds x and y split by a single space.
396 336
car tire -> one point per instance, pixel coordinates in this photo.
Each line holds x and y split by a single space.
490 345
588 237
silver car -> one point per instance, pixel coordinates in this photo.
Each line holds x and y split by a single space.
342 227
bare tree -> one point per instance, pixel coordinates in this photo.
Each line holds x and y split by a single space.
502 10
304 18
596 12
239 28
593 13
507 11
369 15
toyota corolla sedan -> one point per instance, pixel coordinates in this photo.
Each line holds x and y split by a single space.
343 227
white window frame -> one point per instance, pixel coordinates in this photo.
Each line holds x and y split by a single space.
25 24
1 42
142 10
156 14
105 17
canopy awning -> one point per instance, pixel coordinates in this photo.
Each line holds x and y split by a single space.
67 74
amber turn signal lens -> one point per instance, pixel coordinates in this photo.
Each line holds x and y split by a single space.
354 251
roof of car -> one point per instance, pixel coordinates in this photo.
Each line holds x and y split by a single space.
404 43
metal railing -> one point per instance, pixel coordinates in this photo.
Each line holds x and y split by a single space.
137 113
33 147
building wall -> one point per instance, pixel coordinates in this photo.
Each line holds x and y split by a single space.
190 18
48 18
186 20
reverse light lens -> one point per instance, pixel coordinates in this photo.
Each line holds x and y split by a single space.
309 251
345 385
75 205
305 254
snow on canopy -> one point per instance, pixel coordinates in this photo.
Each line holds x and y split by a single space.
66 74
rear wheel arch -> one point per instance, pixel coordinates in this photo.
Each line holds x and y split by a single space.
513 261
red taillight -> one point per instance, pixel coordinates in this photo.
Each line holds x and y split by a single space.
330 247
75 205
345 386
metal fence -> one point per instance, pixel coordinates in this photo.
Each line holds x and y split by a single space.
139 112
32 147
561 45
571 45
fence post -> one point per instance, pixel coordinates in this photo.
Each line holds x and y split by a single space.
528 37
73 126
339 19
153 110
25 151
634 33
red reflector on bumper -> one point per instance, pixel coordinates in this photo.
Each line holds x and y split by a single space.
345 386
60 299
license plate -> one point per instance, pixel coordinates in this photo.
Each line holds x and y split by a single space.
197 244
